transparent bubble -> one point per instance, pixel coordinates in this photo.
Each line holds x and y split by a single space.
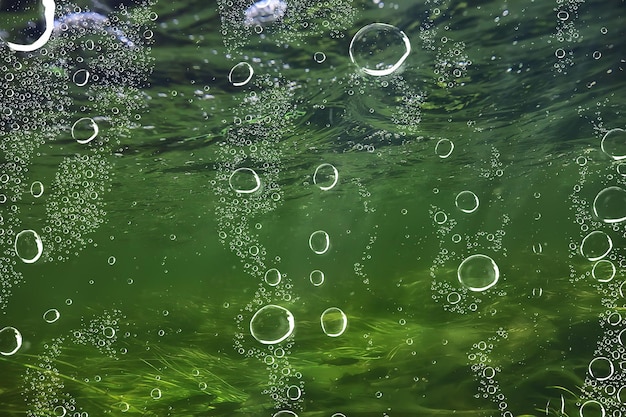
603 270
10 341
244 181
319 242
453 298
36 189
325 176
592 408
155 393
28 246
272 277
84 130
466 201
601 368
51 315
334 322
319 57
379 49
444 148
81 77
440 217
478 273
316 277
272 324
610 205
294 392
240 74
596 245
614 144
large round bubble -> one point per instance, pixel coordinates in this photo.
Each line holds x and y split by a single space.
28 246
610 205
478 273
334 322
379 49
272 324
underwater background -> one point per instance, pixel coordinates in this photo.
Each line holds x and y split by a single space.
313 208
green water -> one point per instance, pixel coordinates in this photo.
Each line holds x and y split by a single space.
323 239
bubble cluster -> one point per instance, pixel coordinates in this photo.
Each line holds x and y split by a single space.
247 185
92 66
46 387
567 34
486 371
281 22
74 208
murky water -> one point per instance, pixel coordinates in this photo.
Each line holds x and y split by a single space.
324 208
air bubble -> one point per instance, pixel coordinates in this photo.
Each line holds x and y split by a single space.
319 242
325 176
379 49
240 74
272 324
84 130
272 277
10 341
51 315
334 322
244 181
478 273
28 246
466 201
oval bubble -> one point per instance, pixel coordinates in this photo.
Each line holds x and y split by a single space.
81 77
10 341
444 148
272 277
610 205
272 324
379 49
244 181
84 130
240 74
601 368
294 392
466 201
28 246
614 144
596 245
319 242
155 393
36 189
316 277
325 177
603 270
334 322
51 315
478 273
